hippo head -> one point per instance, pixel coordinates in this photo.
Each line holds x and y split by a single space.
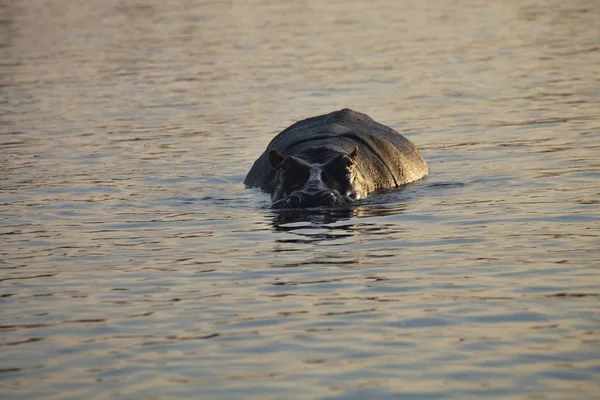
302 181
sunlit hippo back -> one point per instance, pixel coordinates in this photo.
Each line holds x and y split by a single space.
334 159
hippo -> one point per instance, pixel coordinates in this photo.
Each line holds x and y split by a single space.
333 159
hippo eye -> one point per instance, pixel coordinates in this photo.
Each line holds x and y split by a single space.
337 175
340 163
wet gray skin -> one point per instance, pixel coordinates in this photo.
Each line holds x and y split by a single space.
302 182
333 159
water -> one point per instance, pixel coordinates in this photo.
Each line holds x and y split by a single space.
135 265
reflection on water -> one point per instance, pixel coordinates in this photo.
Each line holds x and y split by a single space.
333 217
135 264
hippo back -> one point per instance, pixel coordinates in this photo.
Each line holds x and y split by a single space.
386 158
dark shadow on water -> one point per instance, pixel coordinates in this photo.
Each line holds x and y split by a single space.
288 219
378 205
330 223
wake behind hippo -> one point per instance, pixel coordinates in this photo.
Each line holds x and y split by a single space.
332 159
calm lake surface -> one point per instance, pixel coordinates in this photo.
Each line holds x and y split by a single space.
136 265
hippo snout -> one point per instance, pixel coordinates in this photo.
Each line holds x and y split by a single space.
303 200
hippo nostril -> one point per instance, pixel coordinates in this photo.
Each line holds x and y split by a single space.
328 198
294 201
278 204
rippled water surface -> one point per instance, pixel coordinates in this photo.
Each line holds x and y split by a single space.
135 265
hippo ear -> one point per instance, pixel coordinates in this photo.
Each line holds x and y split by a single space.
275 158
354 155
